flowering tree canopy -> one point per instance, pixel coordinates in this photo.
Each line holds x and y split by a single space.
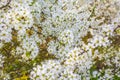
59 39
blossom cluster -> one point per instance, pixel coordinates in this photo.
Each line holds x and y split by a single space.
60 39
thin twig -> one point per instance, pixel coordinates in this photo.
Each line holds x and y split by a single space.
8 2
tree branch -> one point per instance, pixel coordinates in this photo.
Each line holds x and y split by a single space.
8 2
